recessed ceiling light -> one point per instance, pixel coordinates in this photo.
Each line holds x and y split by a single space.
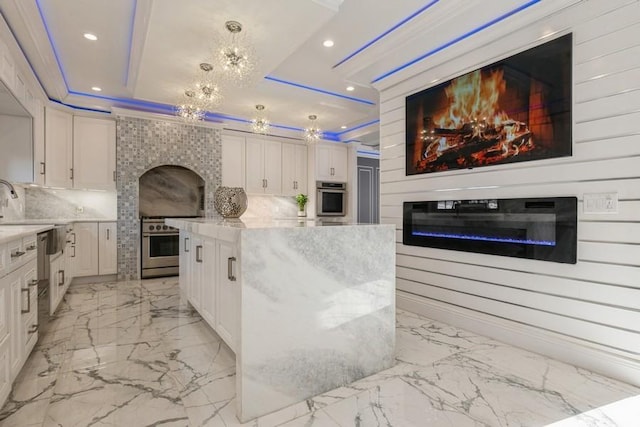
90 36
351 88
343 127
96 88
327 43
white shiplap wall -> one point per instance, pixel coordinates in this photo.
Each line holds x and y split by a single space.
588 313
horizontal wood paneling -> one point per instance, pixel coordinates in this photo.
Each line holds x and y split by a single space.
597 300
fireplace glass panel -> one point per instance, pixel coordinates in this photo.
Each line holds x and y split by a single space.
543 229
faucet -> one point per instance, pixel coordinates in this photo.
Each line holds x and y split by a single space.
12 191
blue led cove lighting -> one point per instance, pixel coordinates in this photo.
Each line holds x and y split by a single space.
358 127
386 33
315 89
485 238
456 40
53 45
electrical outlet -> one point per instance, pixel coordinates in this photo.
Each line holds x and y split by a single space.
599 203
79 209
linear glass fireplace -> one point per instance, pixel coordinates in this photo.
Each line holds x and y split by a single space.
536 228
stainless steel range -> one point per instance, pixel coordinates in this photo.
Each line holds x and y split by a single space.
160 248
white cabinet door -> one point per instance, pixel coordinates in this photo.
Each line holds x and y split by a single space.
273 167
255 166
7 67
107 248
185 261
197 272
85 236
14 308
38 143
94 153
208 305
233 161
294 169
5 369
58 148
331 163
323 163
228 290
339 162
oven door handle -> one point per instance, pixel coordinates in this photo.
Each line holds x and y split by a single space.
145 236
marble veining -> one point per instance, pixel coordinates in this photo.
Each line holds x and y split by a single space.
136 354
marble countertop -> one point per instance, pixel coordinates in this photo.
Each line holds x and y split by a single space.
12 232
57 221
230 229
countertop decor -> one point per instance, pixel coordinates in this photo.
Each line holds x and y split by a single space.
230 202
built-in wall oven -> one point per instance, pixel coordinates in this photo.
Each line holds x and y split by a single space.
160 248
331 198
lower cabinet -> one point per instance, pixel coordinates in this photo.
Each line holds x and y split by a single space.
208 278
5 369
227 292
94 249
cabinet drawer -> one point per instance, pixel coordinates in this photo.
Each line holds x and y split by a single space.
30 332
30 247
5 369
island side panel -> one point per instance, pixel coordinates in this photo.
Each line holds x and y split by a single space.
317 312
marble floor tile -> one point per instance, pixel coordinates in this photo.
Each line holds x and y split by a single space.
136 354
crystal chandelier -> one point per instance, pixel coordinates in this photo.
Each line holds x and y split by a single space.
234 56
260 124
312 133
206 91
188 109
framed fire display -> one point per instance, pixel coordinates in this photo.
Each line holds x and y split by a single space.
514 110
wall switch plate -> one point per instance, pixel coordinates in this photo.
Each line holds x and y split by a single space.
600 203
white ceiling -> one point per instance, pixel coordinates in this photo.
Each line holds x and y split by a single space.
148 51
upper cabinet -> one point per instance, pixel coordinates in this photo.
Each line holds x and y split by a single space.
80 152
263 166
332 162
294 169
58 168
233 160
94 153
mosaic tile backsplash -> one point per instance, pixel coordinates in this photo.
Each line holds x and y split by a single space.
143 144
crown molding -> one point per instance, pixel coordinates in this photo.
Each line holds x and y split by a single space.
116 111
29 31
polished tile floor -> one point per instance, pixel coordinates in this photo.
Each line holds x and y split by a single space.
134 354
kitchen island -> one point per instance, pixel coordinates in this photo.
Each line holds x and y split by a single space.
307 306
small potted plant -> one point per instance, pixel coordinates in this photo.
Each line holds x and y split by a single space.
301 200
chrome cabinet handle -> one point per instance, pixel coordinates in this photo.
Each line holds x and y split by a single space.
28 310
34 329
30 248
17 254
60 277
43 168
108 234
230 275
74 252
199 253
33 282
114 176
73 242
186 248
266 183
71 173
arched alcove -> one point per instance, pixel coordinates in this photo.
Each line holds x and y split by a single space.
170 191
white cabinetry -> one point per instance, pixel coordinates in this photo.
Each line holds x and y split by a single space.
294 169
38 143
107 248
227 293
85 250
208 270
331 162
94 153
18 308
185 263
263 166
58 148
233 161
94 249
197 272
208 281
